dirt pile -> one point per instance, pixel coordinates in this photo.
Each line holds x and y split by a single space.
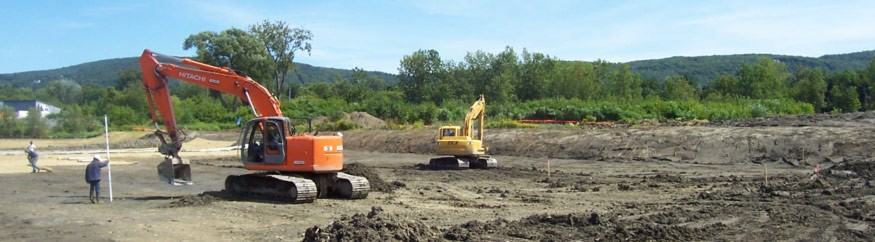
363 119
377 183
375 226
366 120
595 227
203 199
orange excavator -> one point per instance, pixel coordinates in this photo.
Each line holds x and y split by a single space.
294 167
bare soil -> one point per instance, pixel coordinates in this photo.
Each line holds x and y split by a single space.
741 181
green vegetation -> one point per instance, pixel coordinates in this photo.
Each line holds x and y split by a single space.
429 90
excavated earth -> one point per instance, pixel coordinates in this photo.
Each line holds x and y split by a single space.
809 178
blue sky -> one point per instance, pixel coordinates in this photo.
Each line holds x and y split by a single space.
375 35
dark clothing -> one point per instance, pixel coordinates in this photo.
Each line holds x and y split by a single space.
92 176
95 187
32 157
92 171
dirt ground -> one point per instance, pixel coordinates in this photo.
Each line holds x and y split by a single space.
740 181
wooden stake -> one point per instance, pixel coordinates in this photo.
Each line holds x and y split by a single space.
548 169
766 172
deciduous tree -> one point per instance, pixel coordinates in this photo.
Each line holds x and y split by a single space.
282 42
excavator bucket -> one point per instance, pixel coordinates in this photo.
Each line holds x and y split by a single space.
178 173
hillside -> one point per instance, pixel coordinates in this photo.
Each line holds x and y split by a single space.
104 72
707 68
702 68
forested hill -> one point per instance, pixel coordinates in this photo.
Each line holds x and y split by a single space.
707 68
701 68
105 72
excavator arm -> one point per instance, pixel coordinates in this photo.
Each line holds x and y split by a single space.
155 81
476 111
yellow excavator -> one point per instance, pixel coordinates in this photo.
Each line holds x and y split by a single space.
462 148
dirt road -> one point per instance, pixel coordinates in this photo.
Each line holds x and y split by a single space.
740 181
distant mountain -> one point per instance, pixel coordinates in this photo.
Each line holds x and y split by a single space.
105 72
706 68
702 68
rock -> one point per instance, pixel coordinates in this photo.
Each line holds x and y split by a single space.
834 159
789 161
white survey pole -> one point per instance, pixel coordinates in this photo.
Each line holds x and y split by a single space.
108 166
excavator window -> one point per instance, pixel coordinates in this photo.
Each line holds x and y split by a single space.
255 149
273 138
449 132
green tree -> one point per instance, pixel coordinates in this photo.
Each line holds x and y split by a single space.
534 76
61 91
868 80
626 85
603 76
679 89
810 87
35 125
420 75
505 74
281 42
361 77
235 49
767 79
843 95
319 89
725 86
72 120
10 126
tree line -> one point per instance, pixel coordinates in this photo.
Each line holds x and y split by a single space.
429 89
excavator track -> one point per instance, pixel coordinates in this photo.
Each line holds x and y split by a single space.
479 162
276 187
298 188
350 186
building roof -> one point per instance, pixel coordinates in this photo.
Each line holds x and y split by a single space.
23 105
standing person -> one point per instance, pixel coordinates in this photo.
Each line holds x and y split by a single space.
92 176
32 157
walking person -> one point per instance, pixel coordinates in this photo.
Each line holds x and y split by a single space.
32 157
92 176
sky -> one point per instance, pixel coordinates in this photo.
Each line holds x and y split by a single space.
376 35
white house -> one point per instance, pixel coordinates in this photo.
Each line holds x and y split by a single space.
21 107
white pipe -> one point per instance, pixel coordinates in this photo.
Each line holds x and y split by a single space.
108 165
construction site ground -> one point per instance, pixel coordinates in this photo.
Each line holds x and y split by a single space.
749 180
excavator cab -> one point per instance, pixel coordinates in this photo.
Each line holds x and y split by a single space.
264 141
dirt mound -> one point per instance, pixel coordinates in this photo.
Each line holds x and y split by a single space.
366 120
593 226
375 226
203 199
377 183
857 119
